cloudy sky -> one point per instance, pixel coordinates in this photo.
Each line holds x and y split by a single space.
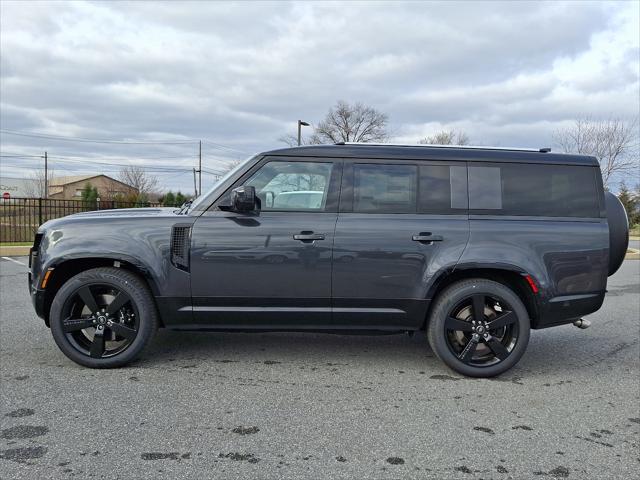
239 75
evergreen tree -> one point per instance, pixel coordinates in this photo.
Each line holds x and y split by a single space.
180 198
169 200
89 193
630 202
142 200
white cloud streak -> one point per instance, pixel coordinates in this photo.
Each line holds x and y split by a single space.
242 74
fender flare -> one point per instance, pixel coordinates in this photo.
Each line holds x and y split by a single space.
533 305
147 273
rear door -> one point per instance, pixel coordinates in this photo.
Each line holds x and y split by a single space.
399 223
271 269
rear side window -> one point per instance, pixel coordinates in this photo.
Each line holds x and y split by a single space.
438 188
443 189
382 188
534 190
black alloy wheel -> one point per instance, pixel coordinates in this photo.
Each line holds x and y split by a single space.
481 330
100 320
479 327
103 317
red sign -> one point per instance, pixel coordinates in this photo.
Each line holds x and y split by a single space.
6 196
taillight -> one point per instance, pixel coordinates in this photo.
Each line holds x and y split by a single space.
532 283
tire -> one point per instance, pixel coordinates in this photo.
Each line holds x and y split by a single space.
90 303
618 231
477 350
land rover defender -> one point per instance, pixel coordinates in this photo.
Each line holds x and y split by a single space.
475 245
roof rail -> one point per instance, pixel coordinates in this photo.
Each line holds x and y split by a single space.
469 147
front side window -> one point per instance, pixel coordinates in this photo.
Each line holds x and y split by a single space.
296 186
381 188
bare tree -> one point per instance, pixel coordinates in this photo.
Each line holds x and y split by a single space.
351 123
35 187
447 137
347 123
613 142
229 166
291 140
136 177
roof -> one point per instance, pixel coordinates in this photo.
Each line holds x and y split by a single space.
61 181
435 152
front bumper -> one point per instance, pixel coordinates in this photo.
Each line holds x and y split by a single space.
37 299
37 295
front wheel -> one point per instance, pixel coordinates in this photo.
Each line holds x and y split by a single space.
479 328
103 318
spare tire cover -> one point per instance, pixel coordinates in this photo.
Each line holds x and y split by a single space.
618 231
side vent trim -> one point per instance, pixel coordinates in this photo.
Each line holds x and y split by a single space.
180 246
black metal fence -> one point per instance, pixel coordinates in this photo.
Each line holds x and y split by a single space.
21 217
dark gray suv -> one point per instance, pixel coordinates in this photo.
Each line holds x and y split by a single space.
475 245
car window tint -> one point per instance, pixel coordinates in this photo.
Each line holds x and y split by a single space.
485 190
443 189
381 188
292 185
535 190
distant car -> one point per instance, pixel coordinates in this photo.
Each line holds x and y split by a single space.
301 199
475 245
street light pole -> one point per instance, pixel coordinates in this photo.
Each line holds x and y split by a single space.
300 125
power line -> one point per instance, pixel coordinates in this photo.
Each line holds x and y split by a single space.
218 145
157 168
136 157
22 156
84 161
92 140
189 141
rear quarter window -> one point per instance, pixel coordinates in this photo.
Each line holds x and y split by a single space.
534 190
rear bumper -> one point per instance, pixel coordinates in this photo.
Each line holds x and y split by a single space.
568 308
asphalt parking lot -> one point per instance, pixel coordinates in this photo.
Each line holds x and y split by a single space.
321 406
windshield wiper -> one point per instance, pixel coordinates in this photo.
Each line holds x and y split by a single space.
184 209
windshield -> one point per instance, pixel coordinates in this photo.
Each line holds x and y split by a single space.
199 201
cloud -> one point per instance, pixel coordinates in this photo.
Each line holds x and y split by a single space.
241 75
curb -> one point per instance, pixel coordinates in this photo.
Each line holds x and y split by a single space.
14 251
632 254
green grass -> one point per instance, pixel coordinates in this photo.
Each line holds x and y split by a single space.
635 231
15 244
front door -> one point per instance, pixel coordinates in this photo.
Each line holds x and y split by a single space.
400 223
271 268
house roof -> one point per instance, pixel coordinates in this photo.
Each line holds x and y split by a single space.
61 181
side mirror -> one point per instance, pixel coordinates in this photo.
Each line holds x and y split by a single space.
243 199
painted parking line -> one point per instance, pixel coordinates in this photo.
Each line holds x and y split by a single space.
14 261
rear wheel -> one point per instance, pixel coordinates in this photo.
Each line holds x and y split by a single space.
479 328
103 318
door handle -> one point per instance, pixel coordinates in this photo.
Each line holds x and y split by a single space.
426 237
308 237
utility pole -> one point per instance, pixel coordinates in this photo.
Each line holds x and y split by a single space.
195 187
200 167
46 176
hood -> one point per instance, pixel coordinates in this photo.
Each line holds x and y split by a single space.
127 212
105 215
